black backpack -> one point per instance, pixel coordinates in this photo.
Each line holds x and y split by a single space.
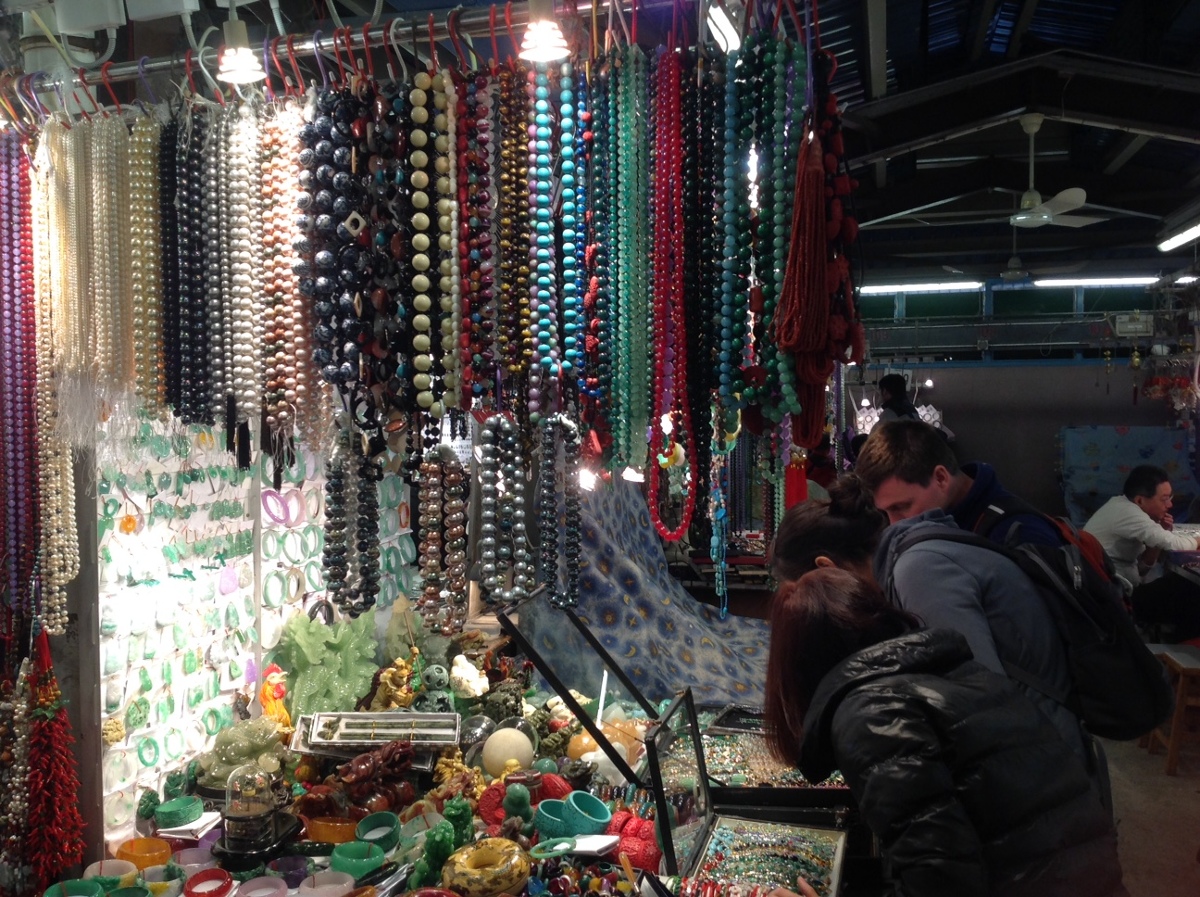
1119 689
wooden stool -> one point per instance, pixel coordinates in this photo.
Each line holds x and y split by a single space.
1183 666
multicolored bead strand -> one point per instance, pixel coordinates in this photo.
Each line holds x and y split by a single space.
506 573
559 545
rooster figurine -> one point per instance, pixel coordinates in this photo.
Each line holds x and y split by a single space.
271 696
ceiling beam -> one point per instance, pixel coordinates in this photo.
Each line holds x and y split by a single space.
1160 103
875 15
1127 147
1028 8
987 9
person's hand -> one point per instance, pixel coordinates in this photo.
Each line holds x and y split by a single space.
1168 522
803 889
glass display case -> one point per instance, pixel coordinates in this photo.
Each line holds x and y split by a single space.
700 843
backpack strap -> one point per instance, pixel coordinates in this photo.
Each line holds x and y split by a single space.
997 510
964 538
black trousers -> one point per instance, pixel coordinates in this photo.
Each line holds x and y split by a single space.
1172 600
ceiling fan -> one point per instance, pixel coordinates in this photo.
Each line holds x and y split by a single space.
1033 211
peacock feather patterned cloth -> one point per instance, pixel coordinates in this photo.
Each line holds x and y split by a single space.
662 638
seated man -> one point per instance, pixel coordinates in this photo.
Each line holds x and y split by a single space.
1134 528
909 468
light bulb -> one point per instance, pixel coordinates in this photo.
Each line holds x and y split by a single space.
543 40
929 383
239 64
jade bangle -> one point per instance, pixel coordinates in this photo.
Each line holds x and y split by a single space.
270 544
148 751
173 744
179 811
356 858
555 847
212 721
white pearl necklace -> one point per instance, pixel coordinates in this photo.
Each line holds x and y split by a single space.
14 777
243 226
59 548
146 263
419 261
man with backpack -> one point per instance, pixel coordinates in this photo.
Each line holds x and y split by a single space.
908 468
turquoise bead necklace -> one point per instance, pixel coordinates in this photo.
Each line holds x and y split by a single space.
543 289
572 236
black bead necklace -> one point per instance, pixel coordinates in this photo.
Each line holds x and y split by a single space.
559 544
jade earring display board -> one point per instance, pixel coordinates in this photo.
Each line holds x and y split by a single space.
700 844
591 685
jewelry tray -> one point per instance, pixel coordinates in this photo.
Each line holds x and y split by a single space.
676 763
423 760
368 729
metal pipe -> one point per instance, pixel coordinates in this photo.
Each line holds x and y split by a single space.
473 22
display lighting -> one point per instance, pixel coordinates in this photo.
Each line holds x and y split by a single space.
239 64
866 403
543 41
721 23
1184 236
950 286
929 383
1190 278
633 475
587 479
1097 282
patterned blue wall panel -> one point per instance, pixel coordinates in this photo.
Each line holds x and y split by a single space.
1096 461
663 638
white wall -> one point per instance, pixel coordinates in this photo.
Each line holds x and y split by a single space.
1010 416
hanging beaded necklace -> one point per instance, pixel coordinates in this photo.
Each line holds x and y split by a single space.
559 484
196 363
735 208
595 386
445 101
19 364
279 171
58 554
503 549
631 397
572 177
216 269
476 150
515 336
422 142
242 303
169 238
335 556
669 389
543 376
111 337
146 262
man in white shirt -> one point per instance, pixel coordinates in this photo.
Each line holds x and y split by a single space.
1134 529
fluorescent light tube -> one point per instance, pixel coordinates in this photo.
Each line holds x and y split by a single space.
1184 236
1097 282
950 286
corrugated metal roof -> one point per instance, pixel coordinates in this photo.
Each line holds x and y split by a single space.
1080 24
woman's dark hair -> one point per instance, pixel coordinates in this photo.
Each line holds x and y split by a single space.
845 529
817 622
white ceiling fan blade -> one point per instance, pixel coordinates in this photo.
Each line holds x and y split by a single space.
1067 201
1075 220
1032 218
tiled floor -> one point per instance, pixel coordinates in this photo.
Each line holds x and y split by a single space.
1158 820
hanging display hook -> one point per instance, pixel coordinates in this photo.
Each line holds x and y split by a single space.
433 54
509 27
287 84
387 50
291 49
88 93
145 82
316 43
452 30
366 36
495 60
394 41
337 54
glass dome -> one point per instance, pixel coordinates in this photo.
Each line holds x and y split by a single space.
249 806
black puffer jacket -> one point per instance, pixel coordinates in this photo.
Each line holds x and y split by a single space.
969 788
